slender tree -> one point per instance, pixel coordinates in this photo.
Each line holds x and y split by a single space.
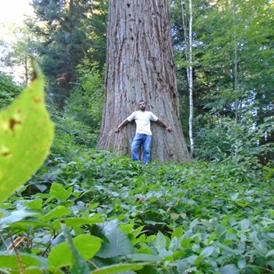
187 26
20 44
140 66
236 61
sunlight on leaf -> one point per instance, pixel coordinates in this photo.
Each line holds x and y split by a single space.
26 134
230 269
10 260
117 268
87 246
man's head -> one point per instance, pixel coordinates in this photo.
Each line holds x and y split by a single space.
142 105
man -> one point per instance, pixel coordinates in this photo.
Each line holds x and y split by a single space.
143 133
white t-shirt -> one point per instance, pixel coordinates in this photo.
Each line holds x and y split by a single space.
142 120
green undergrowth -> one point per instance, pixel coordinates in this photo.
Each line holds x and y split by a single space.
96 213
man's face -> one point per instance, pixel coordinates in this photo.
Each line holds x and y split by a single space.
142 106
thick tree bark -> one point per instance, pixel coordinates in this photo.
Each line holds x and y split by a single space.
140 65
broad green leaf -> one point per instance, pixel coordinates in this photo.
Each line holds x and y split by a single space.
187 243
144 257
59 192
242 264
267 221
230 269
108 226
270 253
245 224
119 238
261 247
54 270
117 268
270 264
78 263
127 228
87 245
160 242
192 259
11 261
194 223
148 269
234 197
37 270
220 231
26 224
174 244
227 248
177 232
26 134
16 216
57 212
199 260
74 221
35 204
207 251
109 250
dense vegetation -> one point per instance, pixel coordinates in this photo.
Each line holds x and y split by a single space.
192 218
124 217
212 215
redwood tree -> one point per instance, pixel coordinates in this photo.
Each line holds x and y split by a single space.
140 65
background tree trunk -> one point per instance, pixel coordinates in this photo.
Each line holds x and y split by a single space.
140 66
189 58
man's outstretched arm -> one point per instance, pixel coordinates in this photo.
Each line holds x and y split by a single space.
118 129
163 124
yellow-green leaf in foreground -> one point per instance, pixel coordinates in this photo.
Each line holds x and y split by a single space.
118 268
26 134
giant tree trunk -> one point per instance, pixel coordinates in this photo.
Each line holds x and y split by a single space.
140 65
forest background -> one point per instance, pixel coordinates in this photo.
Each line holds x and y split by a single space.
213 215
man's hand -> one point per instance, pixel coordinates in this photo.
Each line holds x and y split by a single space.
118 129
164 125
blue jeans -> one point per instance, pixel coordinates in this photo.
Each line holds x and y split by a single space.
141 139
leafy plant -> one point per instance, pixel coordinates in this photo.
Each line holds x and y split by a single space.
240 142
124 217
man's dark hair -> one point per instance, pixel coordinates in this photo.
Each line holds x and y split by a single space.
142 101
